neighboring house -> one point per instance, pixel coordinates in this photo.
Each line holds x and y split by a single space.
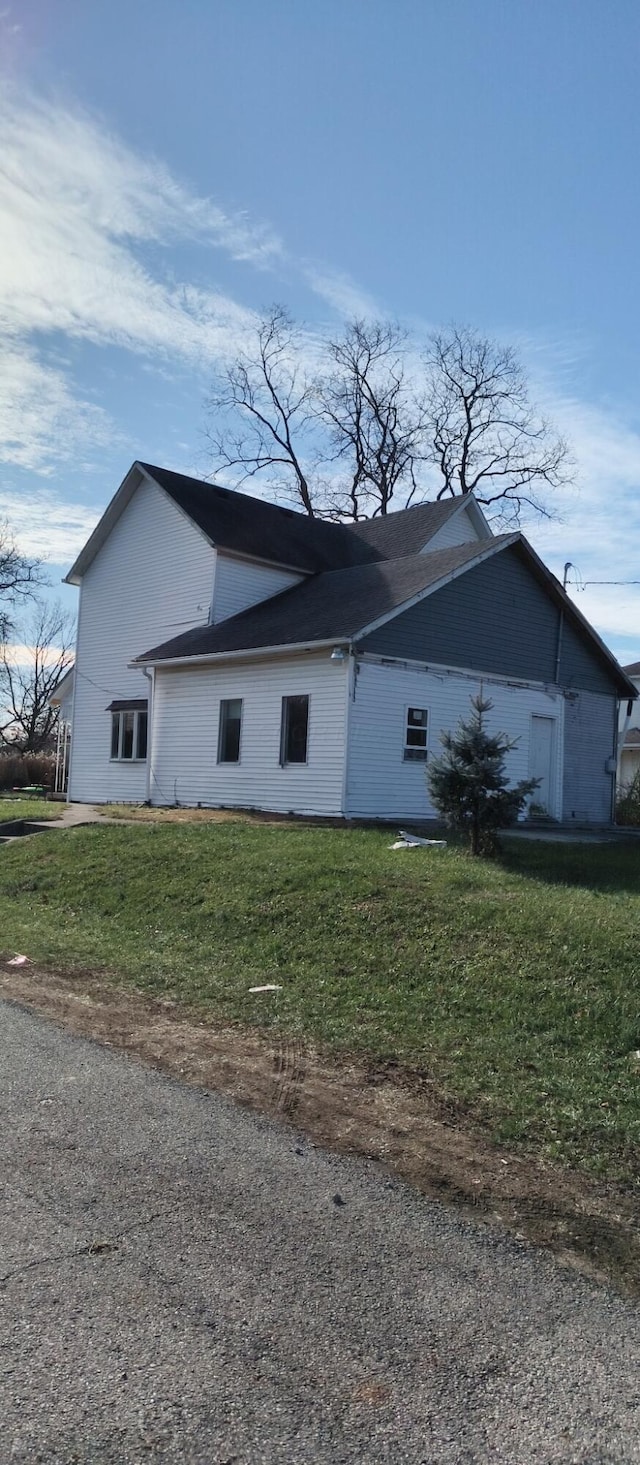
629 733
231 652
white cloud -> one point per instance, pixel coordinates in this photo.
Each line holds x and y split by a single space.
76 206
45 526
41 422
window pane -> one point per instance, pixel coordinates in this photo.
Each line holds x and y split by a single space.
229 732
415 736
295 724
126 750
115 733
141 740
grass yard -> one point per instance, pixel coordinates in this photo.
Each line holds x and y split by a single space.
513 983
26 808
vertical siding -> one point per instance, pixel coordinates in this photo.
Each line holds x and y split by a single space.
457 530
495 618
187 710
151 580
379 782
241 583
590 730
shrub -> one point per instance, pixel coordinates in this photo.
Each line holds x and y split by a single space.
469 784
19 769
628 802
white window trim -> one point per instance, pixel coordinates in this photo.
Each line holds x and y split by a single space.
282 762
120 714
405 745
230 762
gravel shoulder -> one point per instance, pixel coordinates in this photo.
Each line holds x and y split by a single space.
388 1114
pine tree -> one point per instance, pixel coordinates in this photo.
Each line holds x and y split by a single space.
468 784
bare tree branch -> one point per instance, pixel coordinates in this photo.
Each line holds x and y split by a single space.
373 420
29 676
485 437
19 577
271 400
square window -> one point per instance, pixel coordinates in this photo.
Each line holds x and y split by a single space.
229 729
294 731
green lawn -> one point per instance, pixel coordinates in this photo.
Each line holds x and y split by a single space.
514 983
26 808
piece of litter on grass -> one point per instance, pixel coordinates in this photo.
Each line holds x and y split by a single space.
18 960
269 987
410 843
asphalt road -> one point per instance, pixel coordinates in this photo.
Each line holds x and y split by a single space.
184 1282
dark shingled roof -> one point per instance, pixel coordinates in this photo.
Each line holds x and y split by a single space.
250 526
333 606
633 669
407 530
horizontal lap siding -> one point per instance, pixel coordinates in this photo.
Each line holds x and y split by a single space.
187 710
457 530
495 618
379 783
151 580
590 734
242 583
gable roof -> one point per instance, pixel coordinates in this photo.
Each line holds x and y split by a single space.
633 669
339 606
334 606
406 530
251 527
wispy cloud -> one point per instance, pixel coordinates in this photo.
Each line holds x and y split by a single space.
42 423
45 526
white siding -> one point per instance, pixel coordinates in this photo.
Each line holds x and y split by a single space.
152 579
187 709
379 782
240 583
457 530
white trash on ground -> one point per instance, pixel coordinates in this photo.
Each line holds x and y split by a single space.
270 987
18 960
413 841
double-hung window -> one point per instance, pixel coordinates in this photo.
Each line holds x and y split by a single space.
128 731
415 735
294 730
229 729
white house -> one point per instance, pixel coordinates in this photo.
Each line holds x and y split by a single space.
231 652
629 733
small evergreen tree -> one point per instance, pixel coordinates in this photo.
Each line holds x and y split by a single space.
468 784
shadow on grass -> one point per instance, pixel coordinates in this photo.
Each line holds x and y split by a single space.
608 867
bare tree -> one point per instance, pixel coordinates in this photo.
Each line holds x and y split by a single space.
29 676
374 422
484 435
362 428
270 401
19 577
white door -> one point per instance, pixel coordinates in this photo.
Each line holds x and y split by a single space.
541 756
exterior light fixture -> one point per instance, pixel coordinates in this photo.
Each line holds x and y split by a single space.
338 654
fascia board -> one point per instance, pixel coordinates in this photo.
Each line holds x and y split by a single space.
212 658
565 601
105 524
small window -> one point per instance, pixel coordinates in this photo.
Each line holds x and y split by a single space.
294 730
229 730
415 736
128 736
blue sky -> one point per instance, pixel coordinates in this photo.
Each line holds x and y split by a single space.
169 168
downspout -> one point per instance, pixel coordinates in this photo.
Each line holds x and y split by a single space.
150 675
350 696
556 675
